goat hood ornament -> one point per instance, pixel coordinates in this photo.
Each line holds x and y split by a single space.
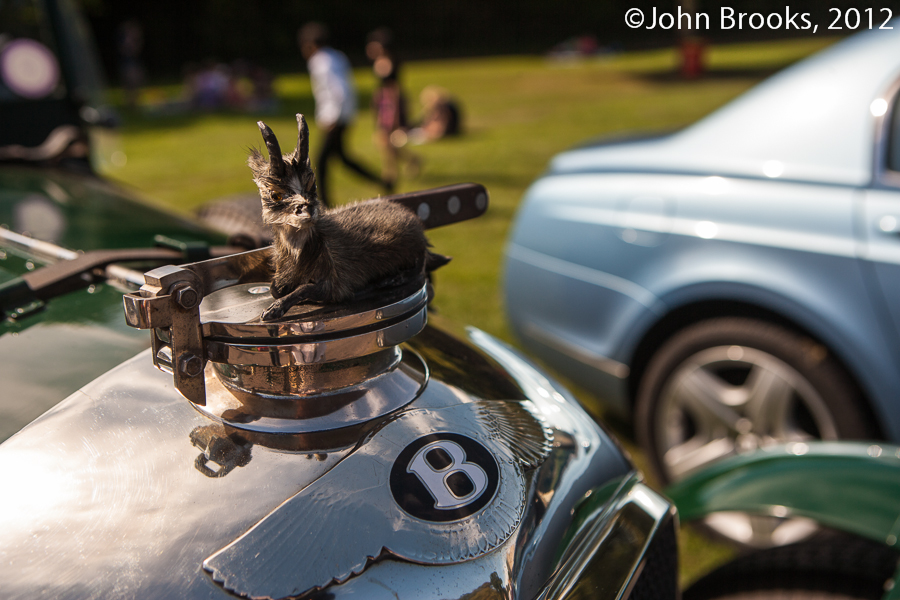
329 256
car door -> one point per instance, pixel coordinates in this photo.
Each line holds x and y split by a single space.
879 223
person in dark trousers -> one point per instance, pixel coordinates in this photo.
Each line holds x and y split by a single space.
389 103
335 95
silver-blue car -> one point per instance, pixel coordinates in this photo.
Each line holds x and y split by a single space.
736 283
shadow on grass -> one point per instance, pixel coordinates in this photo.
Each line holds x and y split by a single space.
154 118
486 178
710 75
141 122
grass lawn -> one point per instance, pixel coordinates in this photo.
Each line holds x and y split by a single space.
518 112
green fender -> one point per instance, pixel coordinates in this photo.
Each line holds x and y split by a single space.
851 486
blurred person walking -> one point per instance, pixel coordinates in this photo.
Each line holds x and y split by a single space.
335 97
390 107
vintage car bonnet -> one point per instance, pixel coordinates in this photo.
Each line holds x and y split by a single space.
340 450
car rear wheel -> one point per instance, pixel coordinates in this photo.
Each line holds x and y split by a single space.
830 566
729 385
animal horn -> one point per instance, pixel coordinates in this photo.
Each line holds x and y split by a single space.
301 154
276 162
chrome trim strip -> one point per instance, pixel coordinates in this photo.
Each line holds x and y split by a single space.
40 249
316 352
729 230
120 273
230 313
610 540
582 273
591 359
626 170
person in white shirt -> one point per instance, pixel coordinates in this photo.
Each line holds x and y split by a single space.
335 96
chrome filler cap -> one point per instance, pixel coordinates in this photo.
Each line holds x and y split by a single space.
319 368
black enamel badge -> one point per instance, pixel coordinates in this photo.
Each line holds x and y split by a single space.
444 477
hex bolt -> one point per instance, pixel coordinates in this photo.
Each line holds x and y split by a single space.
190 365
187 297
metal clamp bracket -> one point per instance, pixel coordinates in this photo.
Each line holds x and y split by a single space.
169 304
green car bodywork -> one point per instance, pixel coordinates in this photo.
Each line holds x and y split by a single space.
849 486
49 350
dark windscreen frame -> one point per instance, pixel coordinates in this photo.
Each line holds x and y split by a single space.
886 172
893 143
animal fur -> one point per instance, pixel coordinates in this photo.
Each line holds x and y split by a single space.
328 256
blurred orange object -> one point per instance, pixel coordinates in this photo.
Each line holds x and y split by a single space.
692 51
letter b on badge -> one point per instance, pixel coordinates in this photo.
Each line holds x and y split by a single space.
444 477
454 483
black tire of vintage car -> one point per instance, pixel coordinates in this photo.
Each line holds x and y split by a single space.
830 566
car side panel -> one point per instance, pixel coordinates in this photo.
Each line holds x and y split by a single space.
879 224
564 298
784 246
576 342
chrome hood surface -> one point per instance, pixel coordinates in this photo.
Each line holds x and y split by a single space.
125 490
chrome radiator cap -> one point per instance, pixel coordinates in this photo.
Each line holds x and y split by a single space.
317 368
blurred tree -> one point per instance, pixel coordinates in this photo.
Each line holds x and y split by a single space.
179 31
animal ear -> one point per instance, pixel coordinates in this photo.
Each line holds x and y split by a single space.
301 153
257 163
276 161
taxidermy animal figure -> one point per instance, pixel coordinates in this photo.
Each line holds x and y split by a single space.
327 256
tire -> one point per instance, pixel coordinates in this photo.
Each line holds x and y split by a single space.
830 566
732 384
791 594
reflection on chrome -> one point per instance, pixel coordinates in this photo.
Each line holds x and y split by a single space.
706 230
879 107
773 168
798 448
714 185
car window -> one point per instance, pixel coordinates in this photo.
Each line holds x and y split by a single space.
893 162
